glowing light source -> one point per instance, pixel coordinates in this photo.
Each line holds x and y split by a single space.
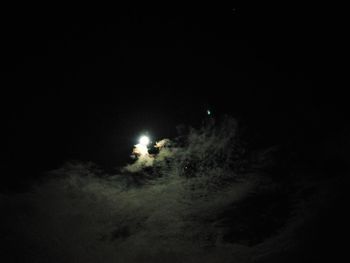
208 112
141 149
144 140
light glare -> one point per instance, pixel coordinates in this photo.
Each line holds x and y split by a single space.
144 140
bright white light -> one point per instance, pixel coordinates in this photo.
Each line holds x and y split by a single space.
140 150
144 140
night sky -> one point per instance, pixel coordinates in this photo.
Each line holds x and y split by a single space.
264 178
85 89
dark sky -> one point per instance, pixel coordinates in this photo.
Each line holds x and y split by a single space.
85 88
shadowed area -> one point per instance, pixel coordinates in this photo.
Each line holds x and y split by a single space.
202 198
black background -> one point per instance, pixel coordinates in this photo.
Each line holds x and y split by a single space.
86 88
